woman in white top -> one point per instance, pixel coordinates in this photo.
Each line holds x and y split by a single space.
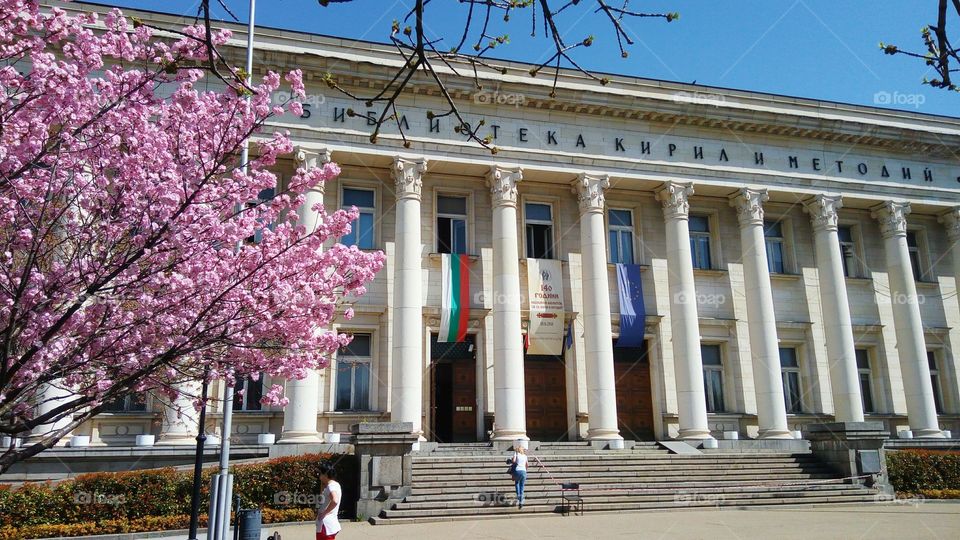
327 524
520 473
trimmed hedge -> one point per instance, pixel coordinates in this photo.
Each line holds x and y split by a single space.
924 471
285 489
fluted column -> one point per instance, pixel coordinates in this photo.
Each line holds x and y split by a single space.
598 336
300 414
761 318
684 322
911 347
510 408
406 400
181 421
837 325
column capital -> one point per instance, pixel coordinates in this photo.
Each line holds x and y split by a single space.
823 210
892 216
408 176
675 197
749 205
312 157
503 184
951 219
589 189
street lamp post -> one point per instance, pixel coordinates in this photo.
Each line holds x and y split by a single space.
198 461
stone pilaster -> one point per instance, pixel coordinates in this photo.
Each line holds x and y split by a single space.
911 346
598 335
761 318
510 420
684 322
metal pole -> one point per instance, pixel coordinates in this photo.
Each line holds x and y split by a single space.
220 529
198 461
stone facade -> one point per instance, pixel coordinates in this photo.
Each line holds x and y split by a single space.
742 173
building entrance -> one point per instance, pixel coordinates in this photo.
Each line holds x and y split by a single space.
453 402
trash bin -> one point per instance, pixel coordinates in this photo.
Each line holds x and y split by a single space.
249 523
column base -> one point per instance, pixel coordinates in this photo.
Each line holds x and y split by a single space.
300 437
509 435
694 434
775 434
926 433
604 434
178 439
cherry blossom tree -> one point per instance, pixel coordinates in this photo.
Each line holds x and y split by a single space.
127 259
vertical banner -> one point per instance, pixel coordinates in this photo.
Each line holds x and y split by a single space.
545 334
632 313
455 305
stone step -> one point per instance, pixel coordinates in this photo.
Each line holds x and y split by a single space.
597 497
505 481
803 497
566 462
427 458
469 475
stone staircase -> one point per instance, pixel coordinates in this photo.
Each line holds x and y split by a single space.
470 481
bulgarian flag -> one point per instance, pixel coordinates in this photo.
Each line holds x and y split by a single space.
455 307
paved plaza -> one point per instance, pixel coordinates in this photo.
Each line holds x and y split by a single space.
900 521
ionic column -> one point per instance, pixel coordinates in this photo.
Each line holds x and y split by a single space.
406 390
684 322
761 318
911 347
300 414
837 325
951 220
181 421
598 336
510 408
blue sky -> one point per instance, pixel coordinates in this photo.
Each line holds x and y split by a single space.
808 48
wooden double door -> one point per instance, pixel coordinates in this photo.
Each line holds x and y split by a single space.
546 397
631 367
454 398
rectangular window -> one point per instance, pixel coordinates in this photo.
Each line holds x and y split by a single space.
362 230
539 230
790 374
848 251
249 400
128 403
773 237
621 236
700 241
866 380
712 377
913 247
264 196
353 374
451 224
935 381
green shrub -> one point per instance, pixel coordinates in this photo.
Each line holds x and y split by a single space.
159 499
916 471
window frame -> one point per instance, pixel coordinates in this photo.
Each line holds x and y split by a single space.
708 389
856 239
922 272
362 186
127 402
554 225
785 373
244 405
868 371
936 381
467 218
620 229
368 360
716 261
